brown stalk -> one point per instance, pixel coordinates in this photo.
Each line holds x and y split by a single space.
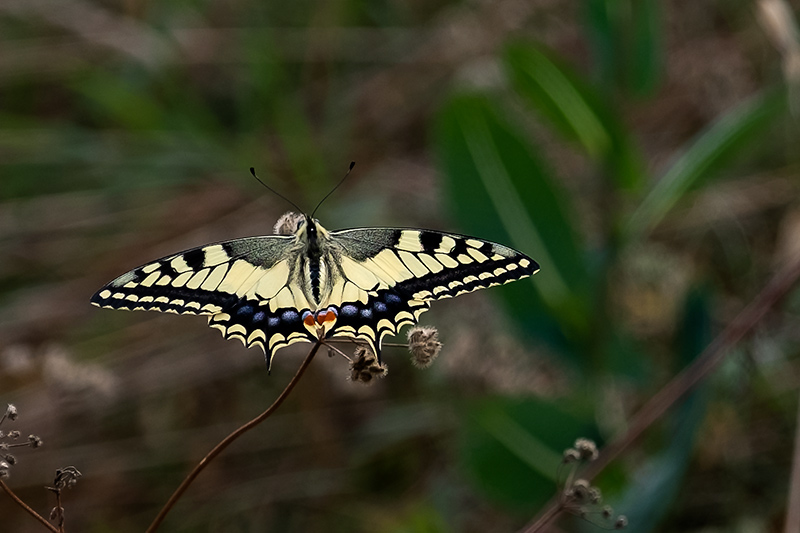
684 382
25 506
793 505
230 438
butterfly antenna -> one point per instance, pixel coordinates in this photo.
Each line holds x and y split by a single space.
253 172
352 164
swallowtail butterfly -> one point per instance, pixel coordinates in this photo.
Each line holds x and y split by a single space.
275 290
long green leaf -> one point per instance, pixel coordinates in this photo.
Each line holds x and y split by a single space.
707 153
499 189
576 110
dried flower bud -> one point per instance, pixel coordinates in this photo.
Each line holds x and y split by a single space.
587 449
621 523
55 513
424 345
11 412
66 477
4 466
571 455
607 512
10 459
595 496
364 366
35 441
580 490
288 223
13 434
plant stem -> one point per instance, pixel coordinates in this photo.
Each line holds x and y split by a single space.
688 379
793 505
230 438
25 506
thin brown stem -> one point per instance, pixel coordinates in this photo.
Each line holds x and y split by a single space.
25 506
688 379
60 511
230 438
793 506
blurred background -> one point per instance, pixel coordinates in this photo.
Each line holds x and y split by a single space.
645 153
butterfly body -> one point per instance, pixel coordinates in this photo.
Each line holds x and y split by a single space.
275 290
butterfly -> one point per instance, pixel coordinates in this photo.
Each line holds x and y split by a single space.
276 290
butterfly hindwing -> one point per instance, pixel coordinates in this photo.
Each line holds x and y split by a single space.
400 271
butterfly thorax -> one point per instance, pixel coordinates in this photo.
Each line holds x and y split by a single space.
315 273
314 262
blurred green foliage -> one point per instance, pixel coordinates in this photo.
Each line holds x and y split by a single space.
642 152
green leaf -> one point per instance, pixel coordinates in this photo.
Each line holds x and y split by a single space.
626 42
499 189
512 448
711 150
576 110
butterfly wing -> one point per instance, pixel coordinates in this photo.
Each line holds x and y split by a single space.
247 287
389 276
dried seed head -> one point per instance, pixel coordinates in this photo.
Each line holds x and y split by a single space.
34 441
11 412
607 512
287 224
424 345
587 449
571 455
621 523
580 491
364 366
595 496
4 466
66 477
10 459
13 434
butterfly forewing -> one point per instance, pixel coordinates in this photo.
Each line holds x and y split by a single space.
411 268
243 285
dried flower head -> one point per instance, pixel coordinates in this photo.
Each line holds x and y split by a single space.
34 441
4 473
287 224
424 345
579 492
11 412
364 366
621 523
587 449
571 455
66 477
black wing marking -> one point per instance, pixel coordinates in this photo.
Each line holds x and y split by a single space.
245 286
398 272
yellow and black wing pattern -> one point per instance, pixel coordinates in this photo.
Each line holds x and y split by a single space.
245 286
389 276
273 291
